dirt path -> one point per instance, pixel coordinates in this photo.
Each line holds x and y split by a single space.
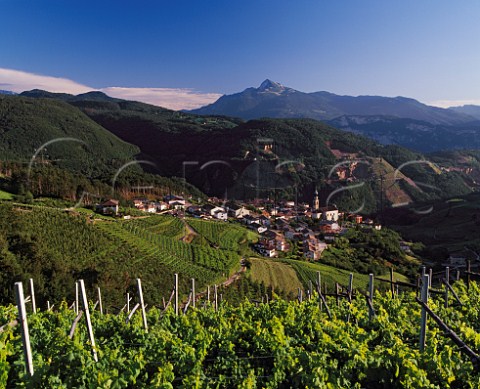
235 276
190 235
228 281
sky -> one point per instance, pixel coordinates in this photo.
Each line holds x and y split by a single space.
184 54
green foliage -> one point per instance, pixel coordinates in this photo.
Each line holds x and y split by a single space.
5 195
366 250
223 235
279 344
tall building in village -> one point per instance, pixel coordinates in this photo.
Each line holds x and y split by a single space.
329 213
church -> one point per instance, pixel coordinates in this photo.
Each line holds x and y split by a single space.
329 213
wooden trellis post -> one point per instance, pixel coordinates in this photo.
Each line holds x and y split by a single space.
216 298
350 287
321 297
336 293
32 295
76 298
468 274
423 322
22 313
392 283
447 278
87 316
140 297
176 293
193 292
319 290
371 313
100 300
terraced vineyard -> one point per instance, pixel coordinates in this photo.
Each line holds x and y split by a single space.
221 234
59 247
275 274
55 247
200 262
307 271
169 226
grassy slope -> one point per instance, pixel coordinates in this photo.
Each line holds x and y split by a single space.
276 274
5 195
289 275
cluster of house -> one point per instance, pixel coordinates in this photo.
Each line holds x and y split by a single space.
208 211
311 238
111 206
276 234
169 202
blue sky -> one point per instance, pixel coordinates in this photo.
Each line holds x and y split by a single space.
427 50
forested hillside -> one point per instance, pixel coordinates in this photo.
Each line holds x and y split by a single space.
76 142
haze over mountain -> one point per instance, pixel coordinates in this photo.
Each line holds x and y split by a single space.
274 100
472 110
414 134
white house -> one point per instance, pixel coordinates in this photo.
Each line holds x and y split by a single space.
266 250
220 214
238 211
329 213
109 207
177 204
161 206
151 208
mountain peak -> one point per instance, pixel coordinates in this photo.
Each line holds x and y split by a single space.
94 96
269 84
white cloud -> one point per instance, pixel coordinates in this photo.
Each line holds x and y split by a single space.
453 103
173 98
18 81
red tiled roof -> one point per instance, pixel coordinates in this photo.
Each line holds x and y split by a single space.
110 203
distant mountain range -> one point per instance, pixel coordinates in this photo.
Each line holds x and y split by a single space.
6 92
274 100
472 110
397 120
411 133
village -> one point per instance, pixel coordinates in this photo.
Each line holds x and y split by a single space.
310 228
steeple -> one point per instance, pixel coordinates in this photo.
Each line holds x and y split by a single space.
316 201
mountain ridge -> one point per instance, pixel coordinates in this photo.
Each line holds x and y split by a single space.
254 103
469 109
